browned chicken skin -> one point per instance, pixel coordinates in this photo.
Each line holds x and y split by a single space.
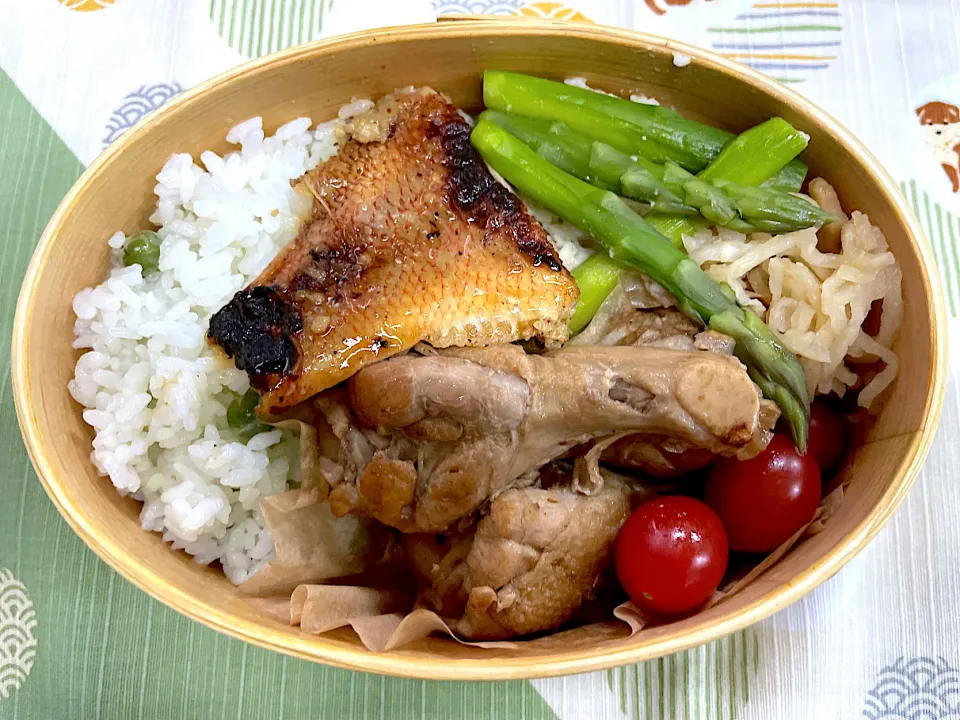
411 239
431 438
527 566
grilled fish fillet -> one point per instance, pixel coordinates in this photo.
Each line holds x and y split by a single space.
411 239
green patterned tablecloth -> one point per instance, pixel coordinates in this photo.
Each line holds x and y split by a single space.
78 641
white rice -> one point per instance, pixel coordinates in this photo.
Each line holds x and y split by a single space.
152 388
568 239
581 82
155 392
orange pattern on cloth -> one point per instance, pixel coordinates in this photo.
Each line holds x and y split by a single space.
86 5
552 11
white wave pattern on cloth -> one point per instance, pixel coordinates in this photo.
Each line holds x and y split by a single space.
18 645
792 42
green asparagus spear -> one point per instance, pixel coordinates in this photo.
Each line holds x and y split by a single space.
638 178
758 154
674 227
615 121
753 157
742 208
554 142
771 210
631 241
529 129
734 164
668 188
790 178
597 163
589 111
672 190
655 132
596 277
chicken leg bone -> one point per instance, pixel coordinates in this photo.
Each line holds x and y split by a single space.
428 439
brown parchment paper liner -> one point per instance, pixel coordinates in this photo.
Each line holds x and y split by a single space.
314 548
381 618
311 545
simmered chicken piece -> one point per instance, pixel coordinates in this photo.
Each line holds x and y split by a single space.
657 455
624 319
411 239
639 312
427 439
658 327
527 566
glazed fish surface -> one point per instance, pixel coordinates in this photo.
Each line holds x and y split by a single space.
411 239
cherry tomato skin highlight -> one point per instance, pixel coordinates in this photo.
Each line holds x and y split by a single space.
671 555
764 500
827 441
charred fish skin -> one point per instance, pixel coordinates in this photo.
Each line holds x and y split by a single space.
259 329
411 239
474 190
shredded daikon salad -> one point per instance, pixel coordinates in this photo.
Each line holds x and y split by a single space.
816 301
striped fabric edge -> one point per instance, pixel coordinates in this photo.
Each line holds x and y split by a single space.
259 27
710 682
789 40
942 229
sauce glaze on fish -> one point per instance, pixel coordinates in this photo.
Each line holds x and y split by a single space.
411 239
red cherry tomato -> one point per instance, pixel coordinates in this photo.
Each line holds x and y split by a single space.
764 500
671 555
828 436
